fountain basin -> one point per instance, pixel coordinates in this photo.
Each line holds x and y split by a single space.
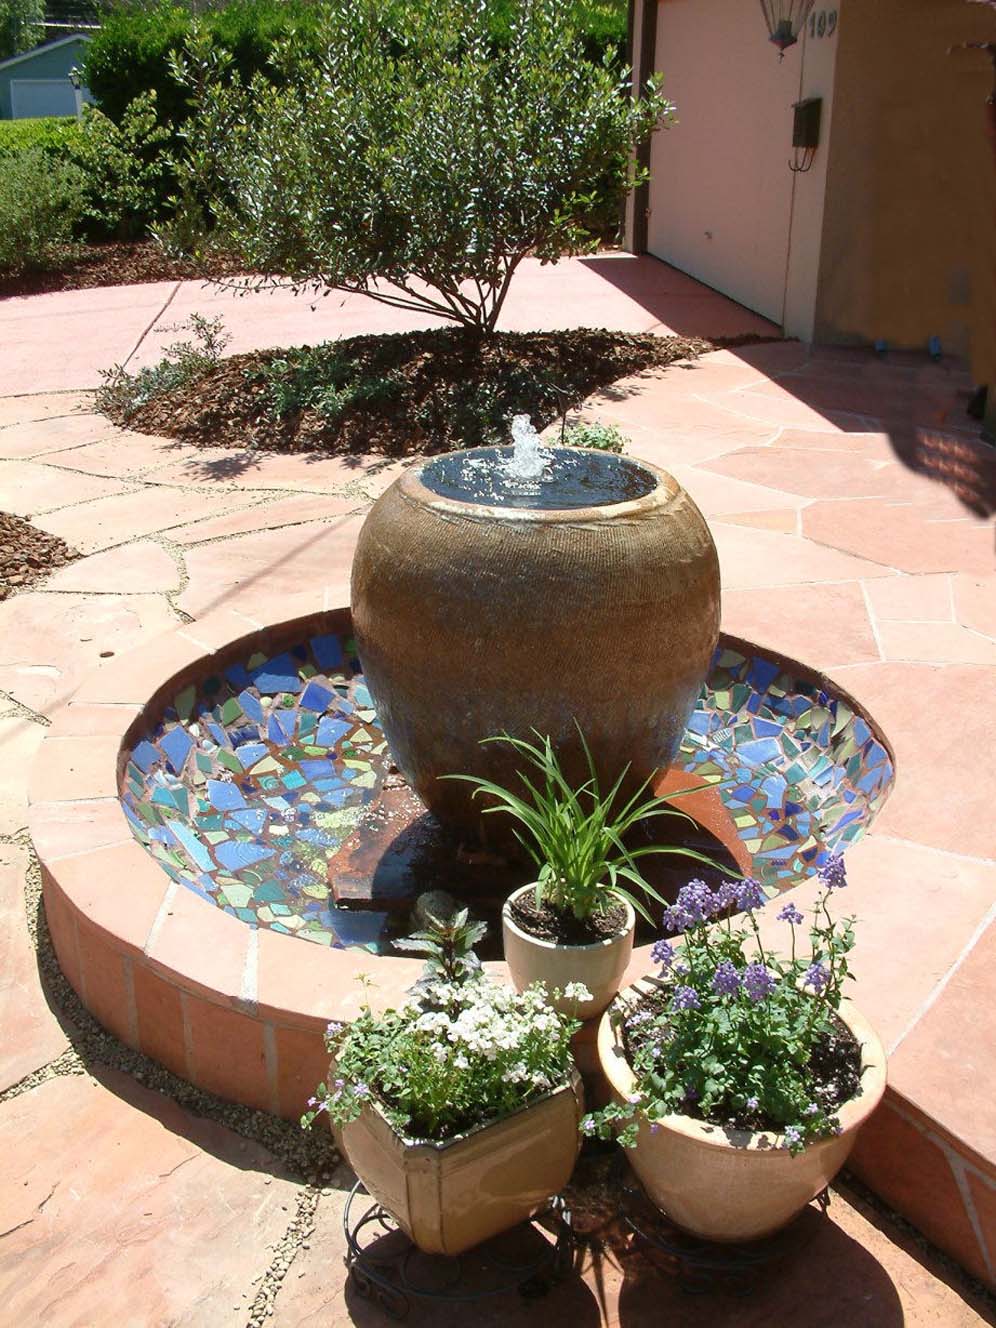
527 611
220 987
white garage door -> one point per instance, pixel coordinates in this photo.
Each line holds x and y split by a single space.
721 190
33 97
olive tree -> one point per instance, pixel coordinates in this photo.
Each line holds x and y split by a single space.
418 160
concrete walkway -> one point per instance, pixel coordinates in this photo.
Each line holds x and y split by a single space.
51 343
851 510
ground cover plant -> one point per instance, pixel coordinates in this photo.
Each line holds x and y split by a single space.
395 395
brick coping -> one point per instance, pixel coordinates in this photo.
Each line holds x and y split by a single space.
241 1012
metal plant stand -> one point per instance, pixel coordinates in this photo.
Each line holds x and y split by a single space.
387 1268
702 1265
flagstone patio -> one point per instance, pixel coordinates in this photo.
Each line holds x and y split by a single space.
852 509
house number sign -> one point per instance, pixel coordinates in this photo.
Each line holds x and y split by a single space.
823 23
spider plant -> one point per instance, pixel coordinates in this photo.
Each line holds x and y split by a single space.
576 836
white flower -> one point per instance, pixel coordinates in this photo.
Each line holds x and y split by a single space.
577 991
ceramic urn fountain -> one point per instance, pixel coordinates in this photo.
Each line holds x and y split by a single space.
510 590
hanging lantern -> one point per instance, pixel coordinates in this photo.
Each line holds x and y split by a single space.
785 20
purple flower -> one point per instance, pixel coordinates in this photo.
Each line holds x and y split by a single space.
674 919
685 998
758 982
752 1104
750 895
793 1136
811 1110
588 1126
695 899
791 914
726 979
724 896
361 1090
662 953
833 874
334 1029
816 976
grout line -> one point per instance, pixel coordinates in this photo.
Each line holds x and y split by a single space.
957 1165
169 300
872 622
160 918
927 1004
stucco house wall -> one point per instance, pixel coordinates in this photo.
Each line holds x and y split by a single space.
909 233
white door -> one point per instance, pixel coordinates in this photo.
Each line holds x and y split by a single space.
721 189
34 97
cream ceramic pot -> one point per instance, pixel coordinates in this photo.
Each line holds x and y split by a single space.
733 1185
448 1197
600 967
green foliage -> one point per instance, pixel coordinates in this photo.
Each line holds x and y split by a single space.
183 362
455 1056
576 836
131 52
325 379
54 134
415 152
733 1033
125 165
40 204
447 940
603 437
20 26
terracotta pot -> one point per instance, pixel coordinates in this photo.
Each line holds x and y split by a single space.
448 1197
735 1185
599 966
471 620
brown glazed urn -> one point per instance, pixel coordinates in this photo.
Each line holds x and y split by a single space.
478 610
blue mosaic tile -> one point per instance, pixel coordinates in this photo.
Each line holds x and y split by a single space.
246 789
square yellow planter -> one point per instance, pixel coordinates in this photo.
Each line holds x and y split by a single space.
448 1197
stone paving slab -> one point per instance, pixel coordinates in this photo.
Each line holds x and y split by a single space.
130 1210
857 584
853 1269
33 1035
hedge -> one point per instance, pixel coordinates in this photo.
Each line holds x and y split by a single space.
130 54
53 134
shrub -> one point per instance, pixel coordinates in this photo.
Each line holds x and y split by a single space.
604 437
20 26
121 393
53 134
41 201
125 165
131 53
438 172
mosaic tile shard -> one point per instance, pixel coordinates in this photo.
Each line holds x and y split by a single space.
249 786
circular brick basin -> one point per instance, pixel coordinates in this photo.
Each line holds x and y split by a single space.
226 845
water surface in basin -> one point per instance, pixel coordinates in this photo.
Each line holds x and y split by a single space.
570 479
254 787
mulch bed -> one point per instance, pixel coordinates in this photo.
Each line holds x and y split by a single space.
446 388
27 554
85 266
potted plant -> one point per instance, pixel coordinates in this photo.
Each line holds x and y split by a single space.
739 1078
459 1110
575 923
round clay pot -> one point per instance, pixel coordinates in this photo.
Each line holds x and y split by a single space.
734 1185
471 620
599 966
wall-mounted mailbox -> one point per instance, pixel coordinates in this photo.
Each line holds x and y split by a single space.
806 124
